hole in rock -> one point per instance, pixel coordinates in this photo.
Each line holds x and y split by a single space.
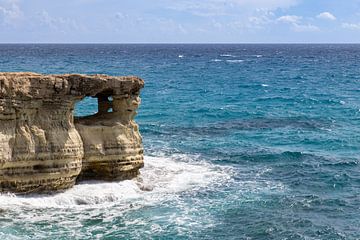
99 104
86 107
105 101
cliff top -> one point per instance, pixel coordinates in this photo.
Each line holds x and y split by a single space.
29 85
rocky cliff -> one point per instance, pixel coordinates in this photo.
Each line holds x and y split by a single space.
44 148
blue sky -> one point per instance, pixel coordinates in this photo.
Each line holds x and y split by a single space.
184 21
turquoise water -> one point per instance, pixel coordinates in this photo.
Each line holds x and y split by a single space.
241 142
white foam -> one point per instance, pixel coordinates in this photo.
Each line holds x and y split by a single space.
181 56
264 85
226 55
166 176
216 60
235 61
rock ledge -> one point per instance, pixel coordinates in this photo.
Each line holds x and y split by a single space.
43 148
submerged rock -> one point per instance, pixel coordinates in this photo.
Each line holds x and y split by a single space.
44 148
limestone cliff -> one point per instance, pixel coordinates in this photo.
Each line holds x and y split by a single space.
43 148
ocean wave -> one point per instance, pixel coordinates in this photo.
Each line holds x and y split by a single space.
235 61
160 176
226 55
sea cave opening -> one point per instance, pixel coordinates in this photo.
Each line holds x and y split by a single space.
88 106
101 103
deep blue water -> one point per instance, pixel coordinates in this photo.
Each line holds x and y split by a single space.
241 142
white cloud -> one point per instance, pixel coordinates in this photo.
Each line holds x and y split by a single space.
10 12
201 9
297 24
59 24
305 28
351 26
217 25
263 4
326 16
289 19
224 7
120 15
133 23
255 20
241 15
260 18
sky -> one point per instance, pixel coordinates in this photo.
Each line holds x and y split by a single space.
180 21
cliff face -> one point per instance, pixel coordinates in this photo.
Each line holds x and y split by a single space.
43 148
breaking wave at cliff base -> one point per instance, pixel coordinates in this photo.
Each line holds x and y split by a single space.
89 206
160 176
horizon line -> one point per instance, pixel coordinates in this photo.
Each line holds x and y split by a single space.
183 43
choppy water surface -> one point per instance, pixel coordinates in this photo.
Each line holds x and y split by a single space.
241 142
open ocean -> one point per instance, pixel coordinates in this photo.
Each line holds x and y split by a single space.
241 142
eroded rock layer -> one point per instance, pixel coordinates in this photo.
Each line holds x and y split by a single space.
42 147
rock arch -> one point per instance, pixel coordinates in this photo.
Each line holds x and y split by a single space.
44 148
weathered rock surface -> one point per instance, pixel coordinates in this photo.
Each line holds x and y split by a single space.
43 148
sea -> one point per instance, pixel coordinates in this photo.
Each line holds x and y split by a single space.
241 141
